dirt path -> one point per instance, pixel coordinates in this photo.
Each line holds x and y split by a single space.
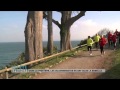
81 61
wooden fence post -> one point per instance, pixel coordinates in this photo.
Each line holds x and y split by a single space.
57 55
6 73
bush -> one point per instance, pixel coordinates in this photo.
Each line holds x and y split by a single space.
55 50
19 60
83 42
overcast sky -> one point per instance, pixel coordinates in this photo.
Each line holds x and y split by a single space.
12 24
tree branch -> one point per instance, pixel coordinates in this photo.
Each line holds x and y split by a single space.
44 15
73 19
54 21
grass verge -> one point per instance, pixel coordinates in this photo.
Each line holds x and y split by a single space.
114 71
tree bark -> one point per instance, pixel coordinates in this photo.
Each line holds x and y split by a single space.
65 43
50 33
33 36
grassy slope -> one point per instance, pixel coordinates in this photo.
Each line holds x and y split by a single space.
114 67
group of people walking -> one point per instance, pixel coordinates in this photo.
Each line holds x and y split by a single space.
101 41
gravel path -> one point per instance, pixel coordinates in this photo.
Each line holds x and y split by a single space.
81 61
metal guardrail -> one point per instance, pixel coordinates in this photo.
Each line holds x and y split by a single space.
6 70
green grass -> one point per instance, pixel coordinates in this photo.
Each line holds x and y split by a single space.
116 57
114 71
48 63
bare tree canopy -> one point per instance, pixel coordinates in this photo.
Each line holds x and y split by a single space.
66 22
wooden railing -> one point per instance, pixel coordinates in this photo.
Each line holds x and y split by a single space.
6 70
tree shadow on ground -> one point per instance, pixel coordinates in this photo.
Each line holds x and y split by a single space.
80 56
113 73
92 50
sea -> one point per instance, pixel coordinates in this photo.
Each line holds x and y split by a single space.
9 51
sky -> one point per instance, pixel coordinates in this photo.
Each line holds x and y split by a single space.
12 25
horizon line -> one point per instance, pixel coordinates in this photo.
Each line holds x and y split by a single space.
43 41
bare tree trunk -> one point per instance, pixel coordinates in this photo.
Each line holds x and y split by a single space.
33 36
50 33
65 39
65 31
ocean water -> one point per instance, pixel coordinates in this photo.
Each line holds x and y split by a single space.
9 51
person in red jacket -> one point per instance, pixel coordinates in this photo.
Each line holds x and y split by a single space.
114 39
102 43
109 39
116 32
119 37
